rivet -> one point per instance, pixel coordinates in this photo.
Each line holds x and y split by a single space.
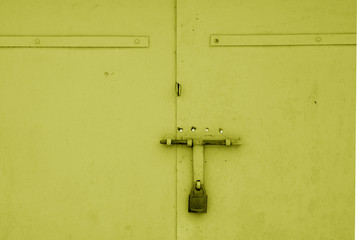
318 39
220 130
193 129
37 41
137 41
216 40
207 129
179 129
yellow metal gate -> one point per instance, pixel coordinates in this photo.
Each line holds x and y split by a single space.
87 90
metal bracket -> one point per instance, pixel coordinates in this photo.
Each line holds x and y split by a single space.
40 41
298 39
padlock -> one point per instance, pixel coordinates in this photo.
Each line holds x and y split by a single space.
197 200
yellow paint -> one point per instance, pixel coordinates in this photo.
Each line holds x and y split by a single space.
79 157
79 128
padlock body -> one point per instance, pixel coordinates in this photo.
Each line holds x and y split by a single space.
197 201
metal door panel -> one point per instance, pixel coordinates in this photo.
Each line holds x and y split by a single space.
79 127
293 108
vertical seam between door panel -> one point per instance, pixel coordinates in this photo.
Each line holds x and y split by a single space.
175 25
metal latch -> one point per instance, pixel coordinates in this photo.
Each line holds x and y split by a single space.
197 201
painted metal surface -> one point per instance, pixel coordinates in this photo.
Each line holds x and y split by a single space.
292 106
71 165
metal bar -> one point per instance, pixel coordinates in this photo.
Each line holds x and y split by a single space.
74 41
283 39
197 159
225 142
174 142
214 142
